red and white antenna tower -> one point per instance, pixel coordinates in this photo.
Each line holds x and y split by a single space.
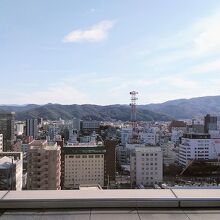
133 109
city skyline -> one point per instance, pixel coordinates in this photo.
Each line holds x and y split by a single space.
97 52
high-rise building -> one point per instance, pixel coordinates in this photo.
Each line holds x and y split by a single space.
11 170
1 142
31 128
110 161
7 128
43 166
146 166
83 163
210 123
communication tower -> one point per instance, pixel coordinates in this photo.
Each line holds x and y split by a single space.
133 109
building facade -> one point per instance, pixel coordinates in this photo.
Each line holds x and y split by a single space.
82 164
7 125
198 147
210 123
146 166
90 126
43 166
31 128
19 127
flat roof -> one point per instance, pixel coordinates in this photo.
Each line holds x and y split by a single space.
5 162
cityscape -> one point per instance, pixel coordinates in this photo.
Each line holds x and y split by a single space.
109 110
39 154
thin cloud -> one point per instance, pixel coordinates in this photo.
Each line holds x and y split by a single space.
208 67
198 40
92 10
95 33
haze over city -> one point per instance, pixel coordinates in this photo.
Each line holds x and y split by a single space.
97 51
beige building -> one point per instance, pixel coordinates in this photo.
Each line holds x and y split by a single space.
146 166
43 166
83 164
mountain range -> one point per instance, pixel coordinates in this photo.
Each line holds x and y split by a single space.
175 109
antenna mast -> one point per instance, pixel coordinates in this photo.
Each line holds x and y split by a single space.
133 110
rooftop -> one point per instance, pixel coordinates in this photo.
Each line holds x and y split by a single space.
38 143
148 149
5 162
88 204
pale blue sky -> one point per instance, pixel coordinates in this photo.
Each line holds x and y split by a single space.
68 51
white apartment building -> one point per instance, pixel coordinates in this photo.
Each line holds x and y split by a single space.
83 164
146 166
1 142
198 147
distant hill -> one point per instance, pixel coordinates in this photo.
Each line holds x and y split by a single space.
17 108
88 112
175 109
187 108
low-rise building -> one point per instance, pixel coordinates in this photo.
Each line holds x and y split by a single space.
196 146
11 171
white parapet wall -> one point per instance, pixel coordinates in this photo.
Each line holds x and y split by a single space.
147 198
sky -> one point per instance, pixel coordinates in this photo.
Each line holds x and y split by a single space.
96 52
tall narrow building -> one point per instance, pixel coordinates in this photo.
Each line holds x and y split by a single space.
31 128
7 128
210 123
1 142
43 166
